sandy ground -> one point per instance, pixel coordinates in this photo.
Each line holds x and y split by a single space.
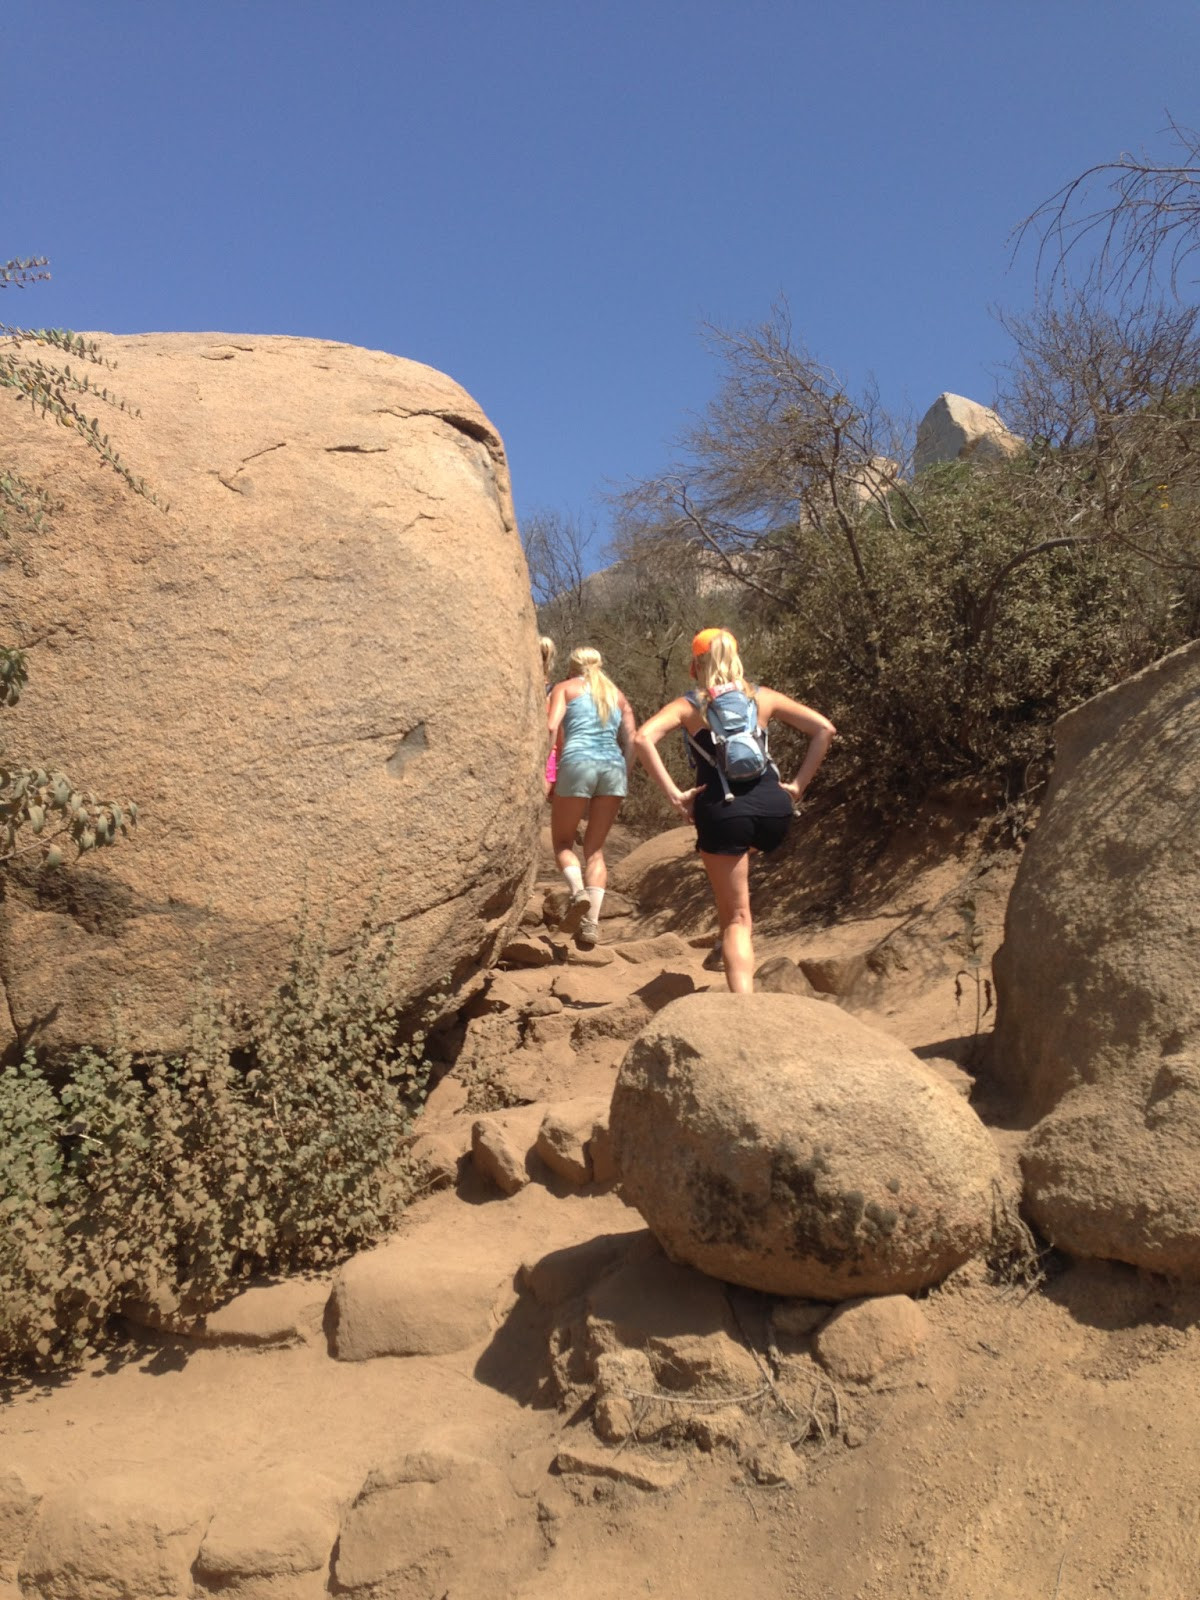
1044 1446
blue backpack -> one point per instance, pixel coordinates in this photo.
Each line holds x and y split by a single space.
740 745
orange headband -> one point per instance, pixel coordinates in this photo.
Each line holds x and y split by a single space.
703 641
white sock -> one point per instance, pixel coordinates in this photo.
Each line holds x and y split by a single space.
574 876
595 901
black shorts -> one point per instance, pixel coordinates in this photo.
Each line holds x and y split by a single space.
733 835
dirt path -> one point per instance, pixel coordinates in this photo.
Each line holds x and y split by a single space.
1044 1445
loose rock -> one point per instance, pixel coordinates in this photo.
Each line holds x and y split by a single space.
778 1143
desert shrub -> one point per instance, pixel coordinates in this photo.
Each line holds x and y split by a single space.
975 631
169 1181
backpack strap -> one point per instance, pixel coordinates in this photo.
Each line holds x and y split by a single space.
693 698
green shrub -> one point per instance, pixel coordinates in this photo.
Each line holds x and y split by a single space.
168 1182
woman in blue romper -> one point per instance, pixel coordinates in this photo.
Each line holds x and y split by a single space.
592 728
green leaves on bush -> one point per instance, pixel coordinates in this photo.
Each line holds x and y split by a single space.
167 1182
32 799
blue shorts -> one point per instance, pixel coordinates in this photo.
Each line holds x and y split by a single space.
583 777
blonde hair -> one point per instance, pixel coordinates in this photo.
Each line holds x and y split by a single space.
549 651
719 665
586 663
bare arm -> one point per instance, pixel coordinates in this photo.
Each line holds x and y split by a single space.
648 735
556 710
626 734
821 734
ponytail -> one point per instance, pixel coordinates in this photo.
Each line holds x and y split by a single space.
585 663
720 665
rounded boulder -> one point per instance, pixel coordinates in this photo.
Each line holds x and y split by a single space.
311 661
778 1143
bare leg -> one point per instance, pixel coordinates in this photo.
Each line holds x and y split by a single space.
601 816
730 880
566 813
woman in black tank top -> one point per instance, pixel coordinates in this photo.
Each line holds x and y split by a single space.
733 818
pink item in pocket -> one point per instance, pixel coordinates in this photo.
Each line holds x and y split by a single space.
552 765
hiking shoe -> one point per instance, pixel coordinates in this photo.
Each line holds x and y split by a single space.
714 961
576 912
589 932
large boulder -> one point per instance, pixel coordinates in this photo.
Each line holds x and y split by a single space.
957 429
1098 1008
778 1143
316 673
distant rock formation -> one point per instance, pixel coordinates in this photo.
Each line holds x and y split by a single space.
1098 1011
317 674
957 429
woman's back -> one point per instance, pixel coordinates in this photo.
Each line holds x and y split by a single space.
583 731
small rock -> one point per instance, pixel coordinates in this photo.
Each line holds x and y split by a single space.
534 912
435 1161
543 1005
668 986
583 988
854 1438
269 1314
641 1471
864 1337
781 975
496 1156
446 1099
130 1535
565 1135
404 1298
724 1426
280 1532
527 952
773 1464
500 993
541 1031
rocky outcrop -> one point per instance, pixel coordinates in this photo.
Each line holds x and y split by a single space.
1098 1011
276 670
957 429
777 1143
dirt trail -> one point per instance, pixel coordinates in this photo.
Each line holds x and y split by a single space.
1043 1446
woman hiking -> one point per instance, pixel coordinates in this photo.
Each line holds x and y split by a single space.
592 727
740 805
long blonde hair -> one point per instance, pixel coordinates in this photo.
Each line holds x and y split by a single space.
549 651
719 665
586 663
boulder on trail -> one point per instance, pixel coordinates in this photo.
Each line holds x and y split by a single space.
130 1534
778 1143
1098 1009
272 668
273 1539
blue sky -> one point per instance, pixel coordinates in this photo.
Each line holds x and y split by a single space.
547 201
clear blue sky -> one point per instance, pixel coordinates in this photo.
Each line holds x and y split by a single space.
546 199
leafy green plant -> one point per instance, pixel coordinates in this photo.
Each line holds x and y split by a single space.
167 1182
41 810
